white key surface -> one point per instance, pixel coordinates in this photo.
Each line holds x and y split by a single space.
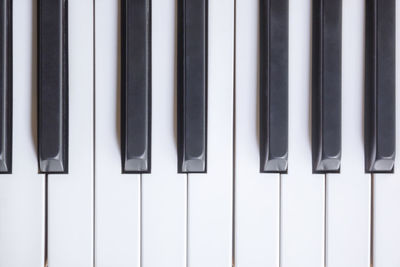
302 193
256 194
70 196
210 194
22 192
348 193
386 194
117 222
164 191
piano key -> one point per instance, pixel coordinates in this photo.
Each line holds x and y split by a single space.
6 86
348 193
192 85
217 183
53 86
256 194
22 192
136 86
164 191
380 86
70 197
386 188
302 192
118 196
273 85
326 85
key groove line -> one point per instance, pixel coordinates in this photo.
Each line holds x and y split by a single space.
371 238
187 222
280 220
325 217
94 136
46 210
233 238
140 221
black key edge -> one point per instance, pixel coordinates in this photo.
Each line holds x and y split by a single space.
374 162
326 158
55 166
192 165
135 165
7 93
273 161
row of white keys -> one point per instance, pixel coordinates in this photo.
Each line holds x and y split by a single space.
256 194
348 193
210 194
164 191
22 192
117 197
70 196
302 192
386 196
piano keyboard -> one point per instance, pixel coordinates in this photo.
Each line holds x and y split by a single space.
218 133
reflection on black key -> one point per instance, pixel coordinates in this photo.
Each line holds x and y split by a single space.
273 86
380 79
136 86
326 85
5 86
53 86
192 85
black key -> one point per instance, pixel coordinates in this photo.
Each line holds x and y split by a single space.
274 86
136 86
53 86
192 85
6 86
327 86
380 76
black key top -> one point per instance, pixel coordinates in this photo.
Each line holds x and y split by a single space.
274 86
192 85
5 86
326 86
53 86
380 76
136 86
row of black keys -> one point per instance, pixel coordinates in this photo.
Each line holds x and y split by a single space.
192 86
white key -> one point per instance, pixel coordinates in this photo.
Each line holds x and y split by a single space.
210 194
117 195
348 193
302 193
70 197
164 191
22 192
386 222
257 194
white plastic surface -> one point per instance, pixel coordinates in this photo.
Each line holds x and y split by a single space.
386 237
210 194
164 191
22 193
257 195
117 222
70 196
348 193
302 193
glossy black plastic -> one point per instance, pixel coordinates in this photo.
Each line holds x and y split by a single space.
6 83
136 86
380 86
192 86
274 85
53 86
327 86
